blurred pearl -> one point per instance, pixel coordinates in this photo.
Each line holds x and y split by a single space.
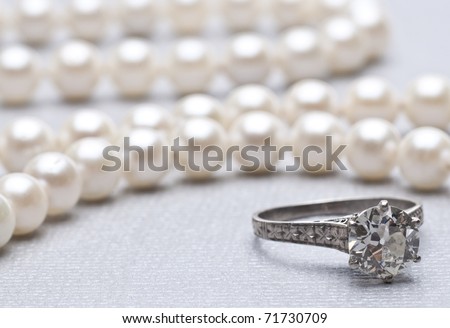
7 221
309 95
424 158
252 129
312 130
133 67
188 16
138 16
23 139
140 174
148 116
87 19
371 97
35 20
241 14
346 47
87 123
302 54
19 74
204 132
248 59
371 20
60 178
200 106
191 66
428 101
252 98
322 9
98 184
372 146
291 12
77 69
28 199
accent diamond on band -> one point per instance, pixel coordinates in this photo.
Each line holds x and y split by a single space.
381 236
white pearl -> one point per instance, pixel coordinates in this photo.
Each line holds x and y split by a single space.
302 54
322 9
249 98
188 16
424 158
248 59
87 19
252 129
200 106
87 123
98 183
23 139
138 16
309 95
148 116
241 14
76 69
35 20
204 132
191 66
371 97
345 45
291 12
372 146
28 199
133 67
19 74
140 174
312 129
7 221
61 179
428 101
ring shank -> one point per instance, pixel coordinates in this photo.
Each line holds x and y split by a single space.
282 224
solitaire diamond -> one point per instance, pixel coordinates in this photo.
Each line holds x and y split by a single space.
382 239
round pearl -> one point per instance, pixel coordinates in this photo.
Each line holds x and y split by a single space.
148 116
312 130
133 67
191 66
23 139
371 20
28 199
424 158
372 146
241 14
291 12
248 59
188 16
371 97
76 69
252 129
138 16
61 179
7 221
200 106
250 98
428 101
19 74
98 183
345 45
35 20
205 132
87 123
139 172
322 9
302 54
87 19
309 95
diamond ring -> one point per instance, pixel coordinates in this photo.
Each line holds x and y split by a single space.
380 236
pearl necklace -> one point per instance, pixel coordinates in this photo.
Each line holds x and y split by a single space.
342 44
